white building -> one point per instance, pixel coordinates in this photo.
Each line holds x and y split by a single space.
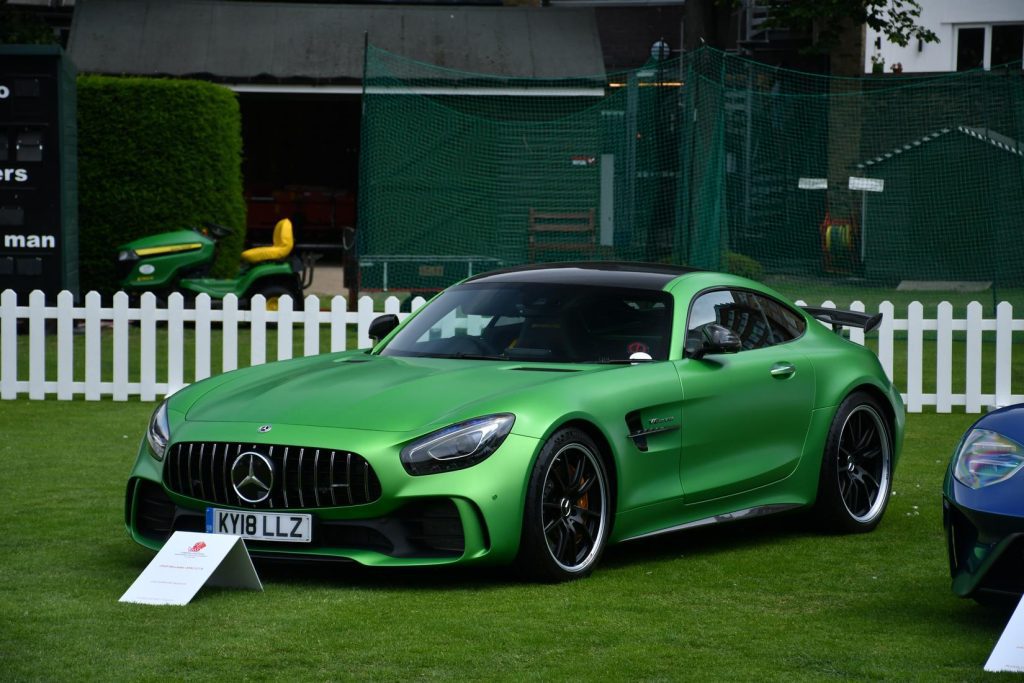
972 34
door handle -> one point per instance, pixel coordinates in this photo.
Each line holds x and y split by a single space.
782 370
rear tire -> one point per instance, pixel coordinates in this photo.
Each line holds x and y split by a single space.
567 516
856 471
272 292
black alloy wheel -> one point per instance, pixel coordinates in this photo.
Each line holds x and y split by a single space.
856 476
567 516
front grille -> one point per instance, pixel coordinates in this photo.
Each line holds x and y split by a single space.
303 477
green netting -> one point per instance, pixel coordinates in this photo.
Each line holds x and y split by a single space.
709 160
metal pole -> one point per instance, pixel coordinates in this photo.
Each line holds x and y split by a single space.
863 225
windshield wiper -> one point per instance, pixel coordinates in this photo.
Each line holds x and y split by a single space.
620 361
472 356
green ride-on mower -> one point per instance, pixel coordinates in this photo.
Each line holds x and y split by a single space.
179 261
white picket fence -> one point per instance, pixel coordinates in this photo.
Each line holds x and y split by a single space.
944 325
83 324
88 320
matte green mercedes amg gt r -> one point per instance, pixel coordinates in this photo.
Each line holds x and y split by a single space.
532 416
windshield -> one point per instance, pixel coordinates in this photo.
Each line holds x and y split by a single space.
539 322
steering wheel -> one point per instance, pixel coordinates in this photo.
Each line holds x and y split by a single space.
217 230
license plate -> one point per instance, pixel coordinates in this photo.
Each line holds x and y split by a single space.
260 526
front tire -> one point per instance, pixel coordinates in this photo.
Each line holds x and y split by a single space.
568 509
856 472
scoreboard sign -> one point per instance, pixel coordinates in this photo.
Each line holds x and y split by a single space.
38 171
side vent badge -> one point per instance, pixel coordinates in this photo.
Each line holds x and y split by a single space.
656 425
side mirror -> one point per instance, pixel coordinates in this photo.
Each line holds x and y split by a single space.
382 326
712 338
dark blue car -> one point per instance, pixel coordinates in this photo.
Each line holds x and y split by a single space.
983 507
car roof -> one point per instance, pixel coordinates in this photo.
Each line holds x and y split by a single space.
601 273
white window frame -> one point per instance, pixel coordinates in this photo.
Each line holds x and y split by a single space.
986 49
986 60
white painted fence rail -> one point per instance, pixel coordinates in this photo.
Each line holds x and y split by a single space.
83 324
88 320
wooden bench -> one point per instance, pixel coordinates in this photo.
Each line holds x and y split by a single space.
561 231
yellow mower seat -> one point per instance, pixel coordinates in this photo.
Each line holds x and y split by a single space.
282 246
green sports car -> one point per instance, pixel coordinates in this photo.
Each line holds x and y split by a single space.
532 416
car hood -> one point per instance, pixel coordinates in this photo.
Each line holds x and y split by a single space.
367 392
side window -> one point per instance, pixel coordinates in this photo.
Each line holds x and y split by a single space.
786 325
734 309
757 320
704 309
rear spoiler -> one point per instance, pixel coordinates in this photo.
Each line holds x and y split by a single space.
838 318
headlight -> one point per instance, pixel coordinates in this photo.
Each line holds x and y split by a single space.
159 433
457 447
127 256
985 458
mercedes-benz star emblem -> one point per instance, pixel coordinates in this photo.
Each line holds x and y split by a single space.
264 429
252 476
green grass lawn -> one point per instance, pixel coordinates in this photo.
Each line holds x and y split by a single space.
770 600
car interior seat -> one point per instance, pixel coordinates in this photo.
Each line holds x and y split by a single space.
544 334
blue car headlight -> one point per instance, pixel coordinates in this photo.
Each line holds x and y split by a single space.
457 447
159 432
985 458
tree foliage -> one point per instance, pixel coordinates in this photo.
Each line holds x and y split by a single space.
825 20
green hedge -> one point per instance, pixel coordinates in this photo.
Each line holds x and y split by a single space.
155 155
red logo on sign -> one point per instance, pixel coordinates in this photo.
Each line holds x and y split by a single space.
197 547
637 347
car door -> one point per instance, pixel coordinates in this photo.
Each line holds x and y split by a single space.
745 415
